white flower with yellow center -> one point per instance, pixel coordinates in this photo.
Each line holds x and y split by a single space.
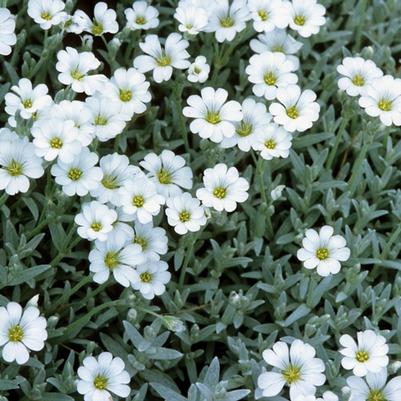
213 116
95 221
168 172
382 98
103 376
296 110
223 188
375 387
274 141
268 72
192 20
268 15
162 60
46 13
151 279
323 251
185 213
367 355
199 70
21 331
141 16
295 366
117 257
306 16
357 73
7 35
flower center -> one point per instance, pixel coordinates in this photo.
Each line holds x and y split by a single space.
96 226
27 103
100 382
220 192
111 260
56 143
138 201
244 129
270 78
75 174
263 14
213 117
97 28
292 374
77 75
110 182
278 49
197 70
376 395
164 176
362 356
300 20
15 168
385 105
100 120
358 80
15 333
146 277
227 22
322 253
141 241
163 60
184 216
140 20
46 16
292 112
270 144
125 95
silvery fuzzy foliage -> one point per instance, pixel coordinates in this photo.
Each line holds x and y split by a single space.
237 286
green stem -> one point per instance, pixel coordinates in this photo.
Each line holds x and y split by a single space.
333 152
357 168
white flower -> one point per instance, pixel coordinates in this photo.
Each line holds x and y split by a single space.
328 396
56 138
74 23
150 278
46 13
77 112
139 197
369 355
375 388
153 240
295 366
116 257
168 172
323 251
297 110
274 141
74 68
357 74
278 41
306 16
26 100
255 119
213 116
79 176
276 192
270 71
7 35
163 60
185 213
199 70
102 376
130 89
116 172
106 117
95 221
223 188
141 16
192 19
21 331
382 98
104 20
305 398
227 20
268 15
18 163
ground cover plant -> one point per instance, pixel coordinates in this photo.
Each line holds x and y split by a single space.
200 200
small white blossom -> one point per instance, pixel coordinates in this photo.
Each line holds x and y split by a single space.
7 35
192 19
46 13
268 15
199 70
141 16
274 141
